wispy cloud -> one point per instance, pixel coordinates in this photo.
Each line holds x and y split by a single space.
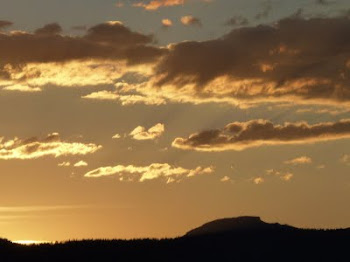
64 164
52 145
133 173
299 161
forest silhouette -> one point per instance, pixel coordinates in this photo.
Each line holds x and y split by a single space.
232 239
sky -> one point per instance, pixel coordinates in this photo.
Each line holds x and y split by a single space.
129 119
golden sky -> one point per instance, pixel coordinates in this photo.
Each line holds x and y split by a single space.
128 119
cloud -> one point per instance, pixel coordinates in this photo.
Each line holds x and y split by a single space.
116 136
237 20
258 180
324 2
64 164
30 61
125 99
110 41
126 94
190 20
345 159
22 88
5 24
154 171
299 161
141 133
295 60
80 164
152 5
285 176
36 76
247 67
102 95
49 29
167 22
52 145
226 179
155 4
255 133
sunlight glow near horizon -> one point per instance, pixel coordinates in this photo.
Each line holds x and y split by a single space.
30 242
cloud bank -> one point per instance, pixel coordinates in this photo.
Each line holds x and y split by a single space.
242 135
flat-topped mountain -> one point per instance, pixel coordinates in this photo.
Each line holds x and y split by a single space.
234 225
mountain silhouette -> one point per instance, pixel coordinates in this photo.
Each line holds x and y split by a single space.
236 225
230 239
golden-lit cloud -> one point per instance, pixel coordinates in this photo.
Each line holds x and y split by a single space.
141 133
284 176
263 64
155 4
299 161
127 94
258 180
247 67
33 77
190 20
133 173
287 177
81 163
30 61
64 164
152 5
52 145
226 179
255 133
167 22
116 136
22 88
102 95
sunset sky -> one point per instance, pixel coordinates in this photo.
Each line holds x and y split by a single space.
138 118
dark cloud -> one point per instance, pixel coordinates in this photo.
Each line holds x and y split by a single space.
111 41
242 135
324 2
237 21
49 29
294 59
4 24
